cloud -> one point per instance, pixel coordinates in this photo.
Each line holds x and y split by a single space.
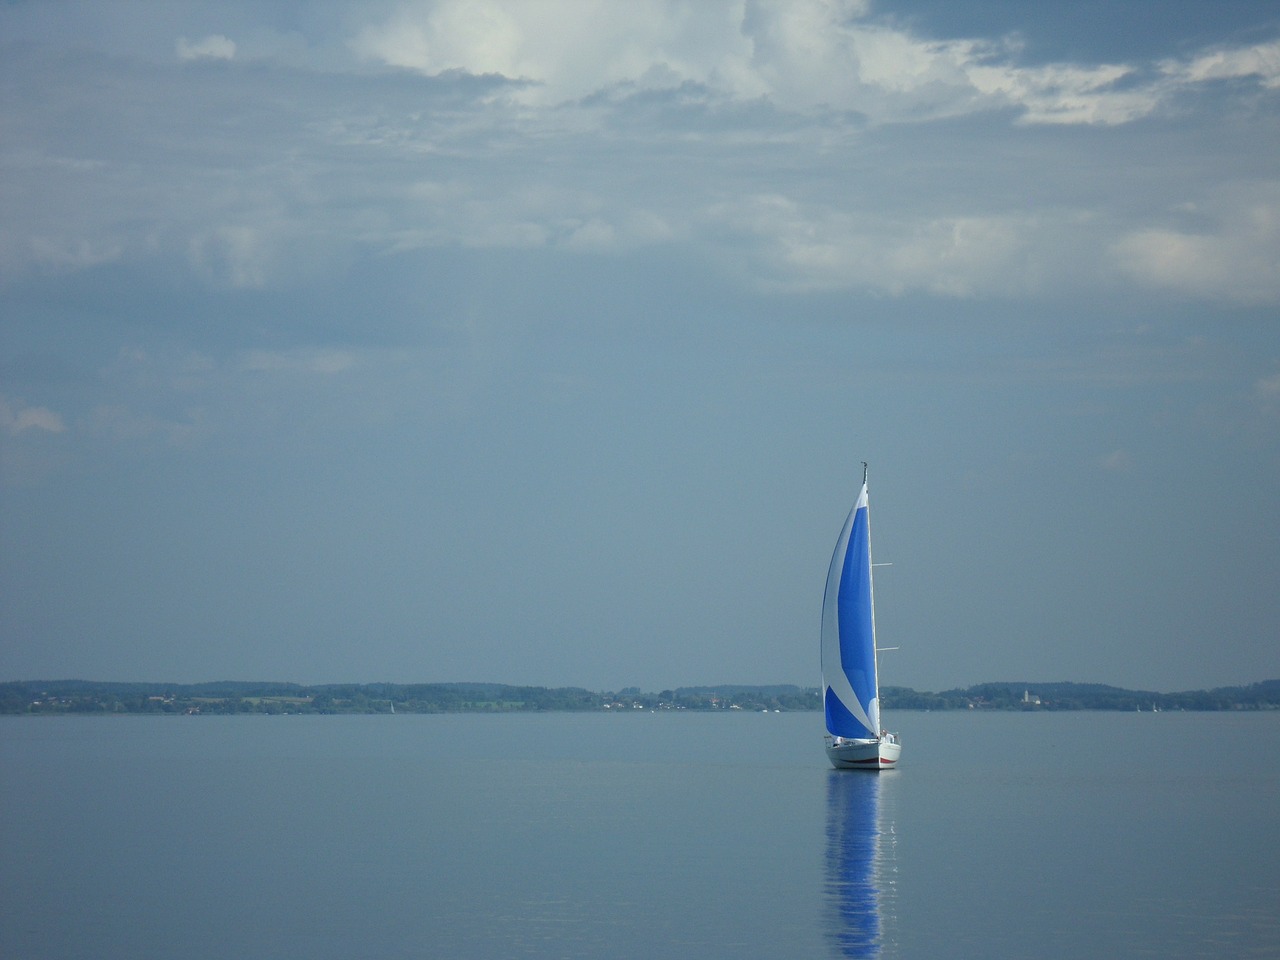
25 459
565 49
15 418
524 216
1065 94
808 248
801 55
239 256
798 143
261 235
1261 60
1234 256
73 254
213 47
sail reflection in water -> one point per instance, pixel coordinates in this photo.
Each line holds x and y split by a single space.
859 880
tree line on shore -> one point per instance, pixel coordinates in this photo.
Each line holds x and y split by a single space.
234 697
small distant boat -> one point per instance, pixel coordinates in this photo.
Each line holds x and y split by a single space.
850 686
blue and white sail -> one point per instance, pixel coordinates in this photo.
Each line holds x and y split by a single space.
850 693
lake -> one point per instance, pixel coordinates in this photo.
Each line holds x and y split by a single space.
638 835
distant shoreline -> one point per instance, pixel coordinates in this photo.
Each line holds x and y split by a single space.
51 697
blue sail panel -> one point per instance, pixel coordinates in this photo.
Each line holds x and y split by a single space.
840 720
848 633
857 631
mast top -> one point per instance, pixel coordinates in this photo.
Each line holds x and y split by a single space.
864 472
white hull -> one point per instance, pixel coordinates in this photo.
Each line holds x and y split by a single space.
863 754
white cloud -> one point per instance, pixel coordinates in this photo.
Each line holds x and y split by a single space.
17 418
65 253
1261 60
1064 94
959 256
801 55
528 216
1236 257
802 51
590 235
567 48
810 115
809 248
25 459
213 47
236 255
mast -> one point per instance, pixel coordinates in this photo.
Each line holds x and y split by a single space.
871 590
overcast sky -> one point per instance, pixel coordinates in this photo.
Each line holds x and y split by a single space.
541 342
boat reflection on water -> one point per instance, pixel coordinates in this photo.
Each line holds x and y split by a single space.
859 867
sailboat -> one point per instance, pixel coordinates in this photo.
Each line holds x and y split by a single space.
850 687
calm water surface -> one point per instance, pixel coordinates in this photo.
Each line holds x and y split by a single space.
654 835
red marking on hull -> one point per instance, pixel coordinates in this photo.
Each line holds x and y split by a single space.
871 760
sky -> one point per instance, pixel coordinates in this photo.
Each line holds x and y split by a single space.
542 342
